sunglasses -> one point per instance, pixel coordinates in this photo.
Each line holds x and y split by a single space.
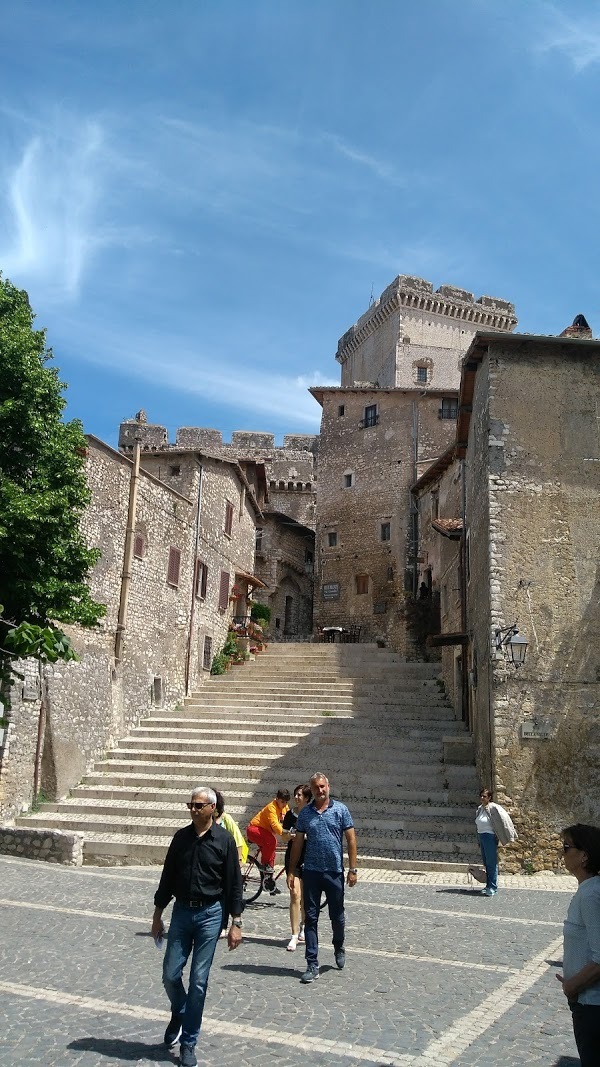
198 807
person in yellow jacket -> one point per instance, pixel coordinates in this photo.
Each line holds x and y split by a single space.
224 819
264 829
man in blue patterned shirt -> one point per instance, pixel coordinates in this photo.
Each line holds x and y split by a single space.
323 824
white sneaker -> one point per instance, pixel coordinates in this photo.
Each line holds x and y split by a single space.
293 942
301 937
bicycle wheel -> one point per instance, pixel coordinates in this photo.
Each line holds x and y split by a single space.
252 882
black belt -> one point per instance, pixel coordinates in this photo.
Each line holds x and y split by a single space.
198 902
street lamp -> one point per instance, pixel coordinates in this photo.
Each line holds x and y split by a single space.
512 644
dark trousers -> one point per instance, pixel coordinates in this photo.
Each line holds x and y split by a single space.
332 884
586 1027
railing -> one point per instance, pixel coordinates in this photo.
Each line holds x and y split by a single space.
371 420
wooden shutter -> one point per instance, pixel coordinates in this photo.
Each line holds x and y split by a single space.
200 579
228 517
139 546
224 591
362 583
174 566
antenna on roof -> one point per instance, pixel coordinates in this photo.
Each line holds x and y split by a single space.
372 298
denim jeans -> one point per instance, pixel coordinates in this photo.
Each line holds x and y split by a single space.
313 884
194 930
488 844
586 1027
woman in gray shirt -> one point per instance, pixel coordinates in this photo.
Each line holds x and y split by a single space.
581 964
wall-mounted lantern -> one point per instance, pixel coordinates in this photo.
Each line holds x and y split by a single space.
511 644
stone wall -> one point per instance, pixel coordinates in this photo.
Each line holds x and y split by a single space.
284 562
53 846
539 473
382 462
93 703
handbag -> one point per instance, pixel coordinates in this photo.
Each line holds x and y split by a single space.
478 873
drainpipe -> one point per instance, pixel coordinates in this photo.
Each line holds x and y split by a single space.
128 553
414 530
463 596
188 651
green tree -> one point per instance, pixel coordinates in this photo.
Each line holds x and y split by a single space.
44 560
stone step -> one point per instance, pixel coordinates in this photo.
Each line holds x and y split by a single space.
241 802
418 819
332 726
358 708
117 785
295 765
180 725
196 741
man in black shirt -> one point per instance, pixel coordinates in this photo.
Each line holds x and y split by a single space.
202 872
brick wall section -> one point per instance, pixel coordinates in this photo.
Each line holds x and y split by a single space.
537 473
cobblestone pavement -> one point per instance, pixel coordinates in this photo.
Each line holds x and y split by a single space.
437 975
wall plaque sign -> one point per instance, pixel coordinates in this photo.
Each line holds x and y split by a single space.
331 591
537 729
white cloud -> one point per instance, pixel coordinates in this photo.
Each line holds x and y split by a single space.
50 226
577 36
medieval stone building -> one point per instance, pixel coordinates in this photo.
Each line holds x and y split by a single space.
392 417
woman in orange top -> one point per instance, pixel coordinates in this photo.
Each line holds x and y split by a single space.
264 829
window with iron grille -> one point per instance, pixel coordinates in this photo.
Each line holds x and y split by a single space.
386 531
362 583
422 375
201 579
371 418
139 546
174 566
228 517
207 654
224 591
449 408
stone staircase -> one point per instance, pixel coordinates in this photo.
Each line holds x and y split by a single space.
376 725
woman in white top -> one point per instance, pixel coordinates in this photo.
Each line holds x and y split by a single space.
581 962
493 824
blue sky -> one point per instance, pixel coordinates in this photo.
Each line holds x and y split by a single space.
201 196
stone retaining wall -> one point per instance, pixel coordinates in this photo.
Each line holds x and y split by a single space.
55 846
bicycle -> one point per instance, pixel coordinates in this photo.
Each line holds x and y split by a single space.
254 874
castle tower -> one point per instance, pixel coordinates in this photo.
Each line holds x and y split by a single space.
412 337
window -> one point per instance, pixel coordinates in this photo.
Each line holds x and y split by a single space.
449 408
228 518
422 375
308 556
175 470
207 654
157 692
224 591
371 418
332 539
435 504
348 480
139 546
362 583
259 538
201 579
386 531
341 409
174 567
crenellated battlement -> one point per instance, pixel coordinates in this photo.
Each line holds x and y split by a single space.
417 295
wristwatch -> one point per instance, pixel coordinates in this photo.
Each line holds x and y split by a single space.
352 870
237 922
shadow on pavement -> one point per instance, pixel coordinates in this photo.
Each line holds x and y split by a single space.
122 1050
458 890
262 968
567 1061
